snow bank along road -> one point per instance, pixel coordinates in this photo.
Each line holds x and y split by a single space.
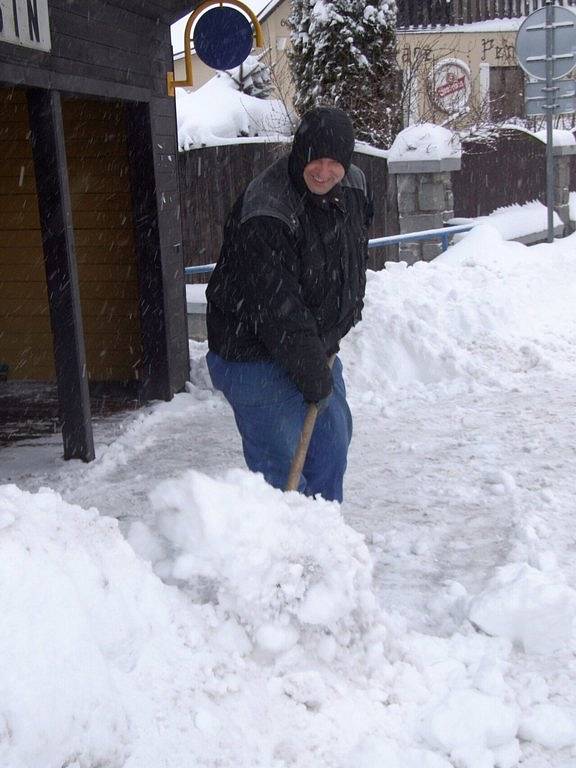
429 623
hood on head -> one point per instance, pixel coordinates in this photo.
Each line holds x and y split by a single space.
323 132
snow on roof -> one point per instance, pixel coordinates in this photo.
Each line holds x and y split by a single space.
217 113
487 26
268 9
425 142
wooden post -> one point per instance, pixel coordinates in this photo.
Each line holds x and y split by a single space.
49 152
155 384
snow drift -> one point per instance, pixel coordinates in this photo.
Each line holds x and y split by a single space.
285 660
479 315
218 113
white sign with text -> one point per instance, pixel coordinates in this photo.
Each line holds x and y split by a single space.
25 22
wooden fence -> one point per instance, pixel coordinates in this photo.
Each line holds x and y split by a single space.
433 13
211 178
501 170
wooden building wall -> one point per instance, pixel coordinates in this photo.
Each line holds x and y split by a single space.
97 153
121 51
99 177
25 334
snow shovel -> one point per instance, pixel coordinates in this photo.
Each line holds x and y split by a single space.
305 436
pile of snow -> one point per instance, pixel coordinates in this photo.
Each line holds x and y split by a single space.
273 651
515 221
478 315
425 142
89 637
289 574
218 113
115 668
529 606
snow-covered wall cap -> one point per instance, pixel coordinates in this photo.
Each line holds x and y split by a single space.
564 141
425 148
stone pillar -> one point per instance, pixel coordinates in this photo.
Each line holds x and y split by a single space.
562 159
425 201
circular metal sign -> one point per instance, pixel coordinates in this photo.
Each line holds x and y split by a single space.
531 43
450 85
222 37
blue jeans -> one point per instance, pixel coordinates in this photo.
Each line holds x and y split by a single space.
269 410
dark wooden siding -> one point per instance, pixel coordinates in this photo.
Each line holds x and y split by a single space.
504 169
96 48
386 219
212 178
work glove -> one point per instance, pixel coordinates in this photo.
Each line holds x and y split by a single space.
317 383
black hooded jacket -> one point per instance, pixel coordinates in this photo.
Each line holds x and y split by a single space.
290 280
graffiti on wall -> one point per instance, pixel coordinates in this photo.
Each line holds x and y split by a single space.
409 56
502 51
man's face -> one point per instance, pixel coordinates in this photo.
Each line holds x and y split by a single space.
320 176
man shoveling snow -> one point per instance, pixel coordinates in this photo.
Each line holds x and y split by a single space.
287 288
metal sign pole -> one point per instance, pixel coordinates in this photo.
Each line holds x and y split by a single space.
550 94
546 50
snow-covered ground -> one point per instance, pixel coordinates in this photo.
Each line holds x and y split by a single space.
163 607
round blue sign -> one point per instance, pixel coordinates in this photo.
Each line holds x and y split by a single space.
222 38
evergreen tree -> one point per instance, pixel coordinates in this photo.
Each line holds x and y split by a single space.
343 55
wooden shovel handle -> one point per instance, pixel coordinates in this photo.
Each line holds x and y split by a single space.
302 450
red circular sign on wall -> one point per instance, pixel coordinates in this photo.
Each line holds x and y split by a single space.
450 85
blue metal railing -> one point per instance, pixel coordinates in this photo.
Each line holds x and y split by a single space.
443 234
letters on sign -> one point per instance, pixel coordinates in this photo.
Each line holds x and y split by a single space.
25 22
